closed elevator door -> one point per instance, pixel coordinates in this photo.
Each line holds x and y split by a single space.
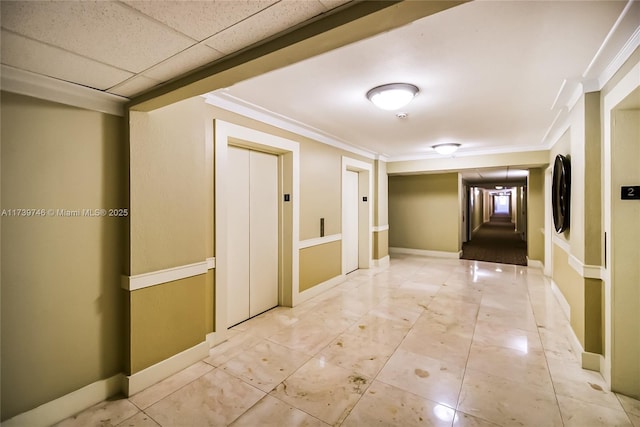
351 229
252 234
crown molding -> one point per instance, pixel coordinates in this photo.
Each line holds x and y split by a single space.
39 86
596 84
236 105
490 151
627 50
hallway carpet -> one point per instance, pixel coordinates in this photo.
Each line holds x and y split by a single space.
422 342
496 241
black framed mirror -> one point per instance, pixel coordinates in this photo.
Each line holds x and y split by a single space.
561 193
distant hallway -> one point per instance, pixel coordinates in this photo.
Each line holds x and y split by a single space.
496 241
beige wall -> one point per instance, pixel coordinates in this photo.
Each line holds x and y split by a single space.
62 312
381 190
535 214
592 181
380 244
423 212
319 264
170 227
571 284
166 319
168 187
478 208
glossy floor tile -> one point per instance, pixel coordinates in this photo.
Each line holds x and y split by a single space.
422 342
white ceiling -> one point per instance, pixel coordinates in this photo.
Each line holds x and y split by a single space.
488 73
494 76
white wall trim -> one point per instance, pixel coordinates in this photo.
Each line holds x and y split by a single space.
228 102
68 405
562 301
38 86
584 270
320 288
211 263
147 377
379 228
382 262
423 252
316 241
145 280
535 263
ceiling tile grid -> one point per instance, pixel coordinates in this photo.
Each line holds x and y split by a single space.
104 31
200 19
278 17
34 56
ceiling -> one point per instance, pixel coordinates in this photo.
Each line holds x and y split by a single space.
127 47
494 76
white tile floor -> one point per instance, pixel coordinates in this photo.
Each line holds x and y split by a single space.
423 342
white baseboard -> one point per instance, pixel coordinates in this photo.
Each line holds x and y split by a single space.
68 405
161 370
535 263
423 252
319 288
564 304
566 309
382 262
592 361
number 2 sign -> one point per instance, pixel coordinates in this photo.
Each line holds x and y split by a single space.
630 192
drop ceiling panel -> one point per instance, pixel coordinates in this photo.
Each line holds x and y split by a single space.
268 22
183 62
133 86
109 32
30 55
200 19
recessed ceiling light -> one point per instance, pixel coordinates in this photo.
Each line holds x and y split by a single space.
446 149
392 96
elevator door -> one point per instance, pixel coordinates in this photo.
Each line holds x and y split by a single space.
351 232
252 234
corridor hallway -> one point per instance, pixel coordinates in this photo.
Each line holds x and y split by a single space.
496 241
424 341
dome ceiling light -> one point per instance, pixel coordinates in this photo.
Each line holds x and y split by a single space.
392 96
446 149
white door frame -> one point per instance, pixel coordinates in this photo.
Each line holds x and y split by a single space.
549 229
365 210
289 154
627 84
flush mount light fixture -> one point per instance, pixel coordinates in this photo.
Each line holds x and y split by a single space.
446 149
392 96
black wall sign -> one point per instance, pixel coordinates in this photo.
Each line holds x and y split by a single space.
630 192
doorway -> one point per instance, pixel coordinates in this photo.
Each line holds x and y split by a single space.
357 214
351 229
253 232
622 232
225 136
